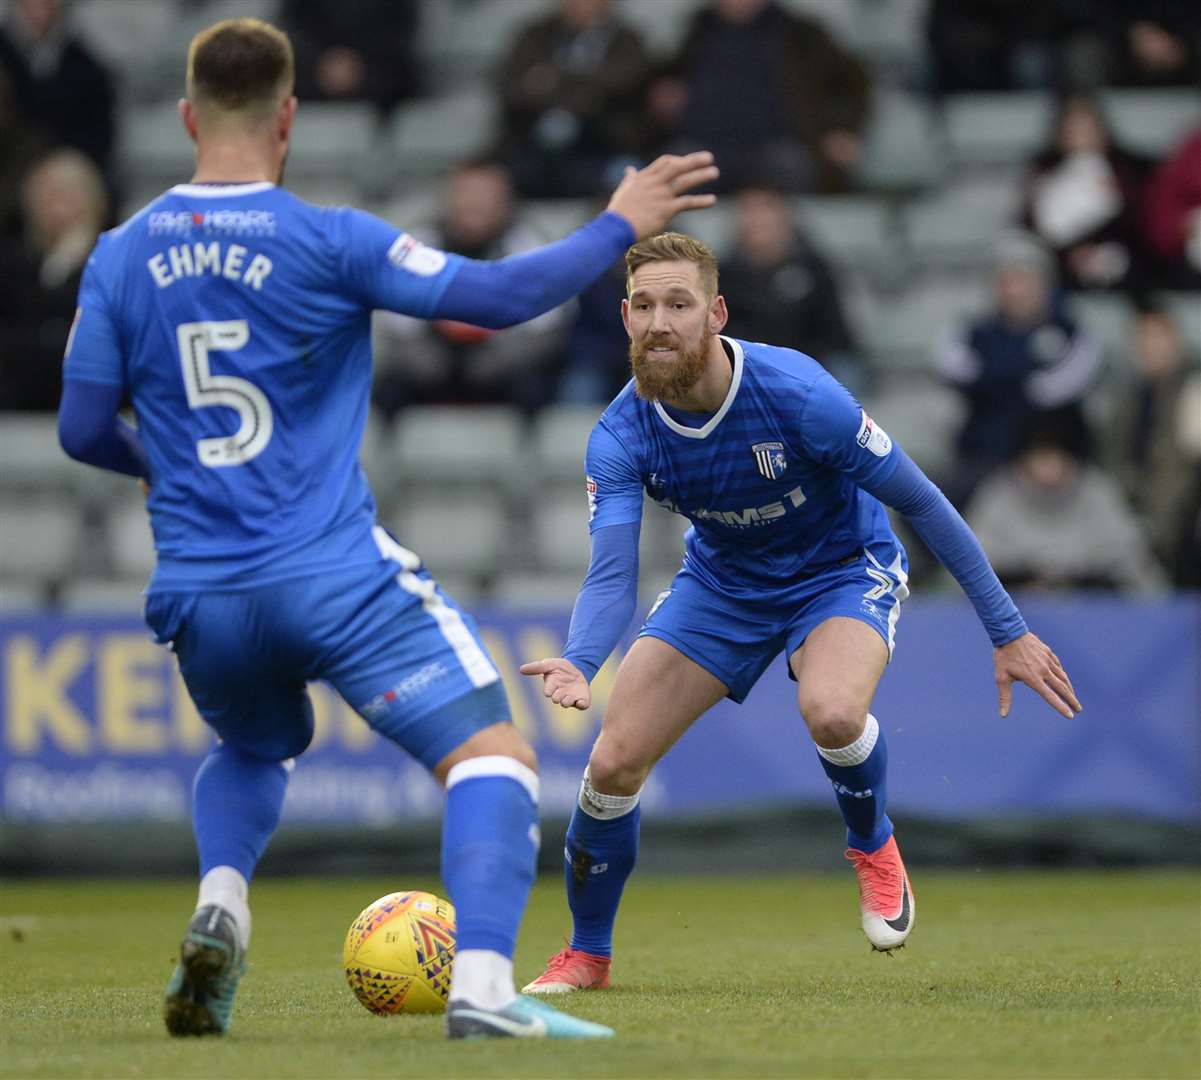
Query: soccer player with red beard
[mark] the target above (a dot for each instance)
(785, 480)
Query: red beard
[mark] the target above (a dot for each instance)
(658, 380)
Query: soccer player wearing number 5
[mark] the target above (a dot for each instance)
(784, 479)
(237, 319)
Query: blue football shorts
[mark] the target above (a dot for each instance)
(736, 639)
(395, 646)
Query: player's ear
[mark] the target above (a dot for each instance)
(718, 315)
(625, 314)
(187, 114)
(287, 116)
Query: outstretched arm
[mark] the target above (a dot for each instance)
(601, 614)
(391, 270)
(838, 432)
(1019, 656)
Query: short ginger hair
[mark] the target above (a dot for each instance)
(673, 247)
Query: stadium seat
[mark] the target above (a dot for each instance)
(1186, 307)
(560, 438)
(555, 218)
(20, 595)
(1151, 122)
(125, 595)
(449, 445)
(430, 136)
(523, 590)
(852, 230)
(333, 139)
(560, 530)
(130, 543)
(921, 415)
(464, 535)
(154, 148)
(960, 224)
(987, 129)
(31, 455)
(903, 148)
(39, 540)
(1109, 319)
(901, 331)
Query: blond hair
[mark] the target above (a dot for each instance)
(240, 66)
(673, 247)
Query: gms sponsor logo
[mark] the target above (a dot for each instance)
(409, 687)
(211, 222)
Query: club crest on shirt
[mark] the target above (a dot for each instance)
(769, 457)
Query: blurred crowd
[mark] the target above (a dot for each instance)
(1062, 492)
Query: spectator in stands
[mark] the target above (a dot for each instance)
(451, 362)
(1025, 357)
(571, 92)
(1159, 428)
(992, 45)
(1173, 217)
(770, 92)
(20, 146)
(1082, 198)
(1051, 520)
(363, 50)
(1150, 42)
(1186, 562)
(64, 208)
(59, 87)
(781, 289)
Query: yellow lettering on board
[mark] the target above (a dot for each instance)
(519, 707)
(320, 696)
(37, 694)
(191, 732)
(131, 693)
(355, 732)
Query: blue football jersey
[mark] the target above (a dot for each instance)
(770, 482)
(237, 318)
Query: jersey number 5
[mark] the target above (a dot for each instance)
(205, 389)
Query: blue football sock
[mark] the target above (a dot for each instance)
(236, 803)
(490, 849)
(599, 857)
(859, 773)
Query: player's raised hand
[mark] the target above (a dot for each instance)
(562, 682)
(1030, 661)
(649, 198)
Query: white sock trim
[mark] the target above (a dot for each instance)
(227, 888)
(597, 804)
(484, 978)
(494, 765)
(859, 751)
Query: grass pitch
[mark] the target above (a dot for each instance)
(1013, 975)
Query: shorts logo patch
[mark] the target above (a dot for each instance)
(591, 488)
(409, 687)
(873, 438)
(770, 459)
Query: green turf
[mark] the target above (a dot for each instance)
(1050, 975)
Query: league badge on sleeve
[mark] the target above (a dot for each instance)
(873, 438)
(769, 456)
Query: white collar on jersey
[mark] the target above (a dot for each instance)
(715, 419)
(214, 191)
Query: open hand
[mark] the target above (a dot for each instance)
(562, 682)
(1029, 660)
(649, 198)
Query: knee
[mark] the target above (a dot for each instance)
(615, 770)
(833, 723)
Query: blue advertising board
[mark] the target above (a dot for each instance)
(96, 725)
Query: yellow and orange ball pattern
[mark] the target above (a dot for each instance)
(399, 952)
